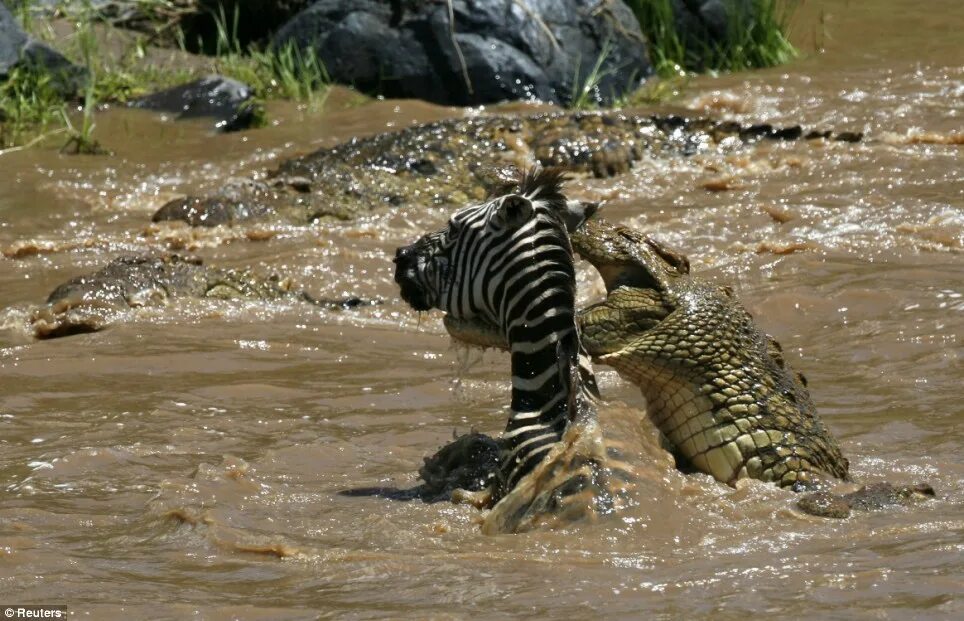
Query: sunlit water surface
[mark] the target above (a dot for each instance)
(188, 462)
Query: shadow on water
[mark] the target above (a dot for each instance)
(420, 492)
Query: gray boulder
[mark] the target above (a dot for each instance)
(12, 40)
(17, 48)
(495, 50)
(226, 101)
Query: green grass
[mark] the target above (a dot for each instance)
(80, 138)
(284, 73)
(657, 90)
(277, 73)
(756, 40)
(30, 105)
(32, 110)
(584, 95)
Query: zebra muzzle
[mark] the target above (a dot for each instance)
(407, 277)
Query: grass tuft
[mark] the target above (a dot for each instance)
(32, 108)
(585, 92)
(285, 72)
(656, 90)
(29, 105)
(756, 37)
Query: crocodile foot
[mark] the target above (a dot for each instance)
(868, 498)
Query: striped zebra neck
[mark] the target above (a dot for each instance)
(546, 386)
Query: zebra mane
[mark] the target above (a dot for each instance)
(543, 184)
(536, 184)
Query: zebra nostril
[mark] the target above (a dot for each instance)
(402, 253)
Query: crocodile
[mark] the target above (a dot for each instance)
(718, 388)
(457, 161)
(91, 302)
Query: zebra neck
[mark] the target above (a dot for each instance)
(545, 391)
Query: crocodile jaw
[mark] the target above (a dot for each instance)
(475, 333)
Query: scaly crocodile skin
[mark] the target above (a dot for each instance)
(716, 385)
(455, 161)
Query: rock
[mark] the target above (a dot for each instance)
(225, 100)
(704, 20)
(19, 49)
(12, 40)
(503, 49)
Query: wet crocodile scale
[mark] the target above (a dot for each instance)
(458, 161)
(718, 387)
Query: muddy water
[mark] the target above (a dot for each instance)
(188, 462)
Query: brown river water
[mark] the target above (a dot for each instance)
(187, 463)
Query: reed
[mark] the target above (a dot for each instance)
(285, 72)
(585, 91)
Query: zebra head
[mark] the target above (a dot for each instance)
(508, 264)
(514, 238)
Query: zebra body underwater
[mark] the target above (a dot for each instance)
(508, 262)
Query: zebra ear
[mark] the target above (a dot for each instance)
(577, 212)
(514, 210)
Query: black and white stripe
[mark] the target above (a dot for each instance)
(508, 262)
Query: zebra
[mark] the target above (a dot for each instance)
(508, 262)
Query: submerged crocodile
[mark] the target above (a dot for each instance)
(716, 386)
(92, 302)
(456, 161)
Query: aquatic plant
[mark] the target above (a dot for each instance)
(656, 90)
(80, 139)
(756, 37)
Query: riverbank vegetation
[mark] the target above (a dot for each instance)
(119, 65)
(755, 35)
